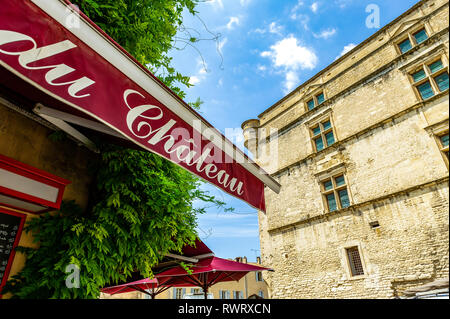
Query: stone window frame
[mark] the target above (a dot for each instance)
(444, 149)
(336, 171)
(429, 77)
(224, 294)
(313, 97)
(409, 35)
(259, 276)
(346, 263)
(178, 293)
(238, 294)
(334, 191)
(438, 130)
(196, 291)
(326, 116)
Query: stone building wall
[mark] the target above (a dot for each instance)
(395, 172)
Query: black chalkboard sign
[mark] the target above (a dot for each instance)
(11, 224)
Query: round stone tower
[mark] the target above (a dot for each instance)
(250, 129)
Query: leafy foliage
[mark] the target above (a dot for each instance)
(145, 28)
(141, 205)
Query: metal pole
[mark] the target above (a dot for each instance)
(205, 288)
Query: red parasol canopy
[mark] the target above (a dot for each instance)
(147, 286)
(198, 249)
(152, 287)
(207, 272)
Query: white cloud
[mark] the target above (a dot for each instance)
(218, 4)
(315, 7)
(274, 28)
(302, 18)
(194, 80)
(262, 68)
(233, 21)
(299, 4)
(245, 2)
(234, 232)
(347, 49)
(258, 30)
(221, 44)
(290, 56)
(342, 3)
(201, 73)
(292, 80)
(325, 34)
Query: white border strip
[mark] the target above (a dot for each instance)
(90, 36)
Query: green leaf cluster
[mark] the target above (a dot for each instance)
(145, 28)
(142, 208)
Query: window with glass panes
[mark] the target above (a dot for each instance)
(412, 40)
(238, 295)
(224, 294)
(178, 293)
(315, 101)
(335, 193)
(196, 291)
(430, 79)
(258, 275)
(322, 135)
(420, 36)
(443, 141)
(405, 46)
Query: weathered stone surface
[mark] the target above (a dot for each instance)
(395, 171)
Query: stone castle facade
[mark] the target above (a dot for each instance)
(361, 152)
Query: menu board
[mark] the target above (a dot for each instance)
(11, 224)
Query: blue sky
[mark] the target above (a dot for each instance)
(259, 51)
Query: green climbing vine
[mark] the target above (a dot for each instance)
(141, 205)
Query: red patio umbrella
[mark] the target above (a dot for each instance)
(152, 287)
(207, 272)
(147, 286)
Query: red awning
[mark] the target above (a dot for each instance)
(85, 78)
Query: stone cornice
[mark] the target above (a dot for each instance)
(354, 207)
(340, 144)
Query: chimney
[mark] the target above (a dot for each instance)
(258, 260)
(244, 260)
